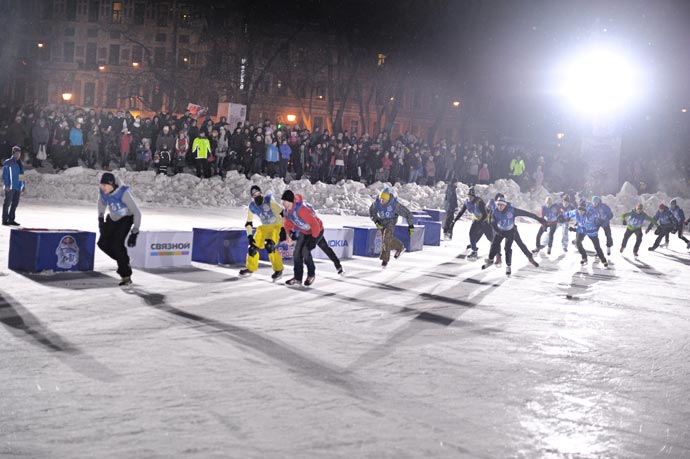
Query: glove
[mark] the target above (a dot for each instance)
(378, 224)
(283, 235)
(293, 235)
(647, 230)
(573, 229)
(310, 243)
(410, 229)
(250, 239)
(623, 221)
(101, 224)
(132, 240)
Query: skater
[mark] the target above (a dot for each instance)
(680, 217)
(305, 228)
(480, 221)
(587, 223)
(384, 211)
(563, 221)
(13, 181)
(451, 205)
(550, 213)
(665, 222)
(503, 216)
(267, 233)
(634, 221)
(605, 215)
(123, 215)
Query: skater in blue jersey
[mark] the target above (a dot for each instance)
(268, 211)
(503, 216)
(680, 217)
(587, 223)
(666, 223)
(549, 212)
(480, 220)
(123, 215)
(605, 215)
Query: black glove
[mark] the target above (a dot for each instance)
(283, 235)
(293, 235)
(378, 224)
(573, 229)
(101, 224)
(310, 243)
(250, 239)
(132, 240)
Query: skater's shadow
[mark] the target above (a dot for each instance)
(684, 261)
(297, 361)
(71, 280)
(17, 318)
(644, 267)
(190, 274)
(583, 280)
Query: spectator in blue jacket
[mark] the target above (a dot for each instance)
(587, 223)
(76, 142)
(285, 152)
(13, 180)
(605, 215)
(272, 158)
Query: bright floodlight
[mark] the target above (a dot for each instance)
(599, 82)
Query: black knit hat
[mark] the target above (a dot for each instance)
(253, 189)
(108, 178)
(288, 196)
(471, 192)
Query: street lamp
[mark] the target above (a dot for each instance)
(456, 103)
(684, 110)
(101, 68)
(291, 118)
(66, 96)
(40, 45)
(135, 64)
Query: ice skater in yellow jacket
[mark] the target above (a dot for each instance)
(267, 234)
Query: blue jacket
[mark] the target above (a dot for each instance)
(76, 137)
(285, 151)
(551, 213)
(505, 221)
(13, 174)
(587, 224)
(679, 214)
(665, 218)
(272, 153)
(605, 214)
(635, 220)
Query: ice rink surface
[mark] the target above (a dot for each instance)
(432, 357)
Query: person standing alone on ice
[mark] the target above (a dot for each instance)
(123, 215)
(267, 234)
(306, 229)
(384, 211)
(13, 180)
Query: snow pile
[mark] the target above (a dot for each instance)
(78, 184)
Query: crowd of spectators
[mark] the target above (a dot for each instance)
(66, 136)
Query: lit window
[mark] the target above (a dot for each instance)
(381, 60)
(117, 12)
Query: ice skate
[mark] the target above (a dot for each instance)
(384, 264)
(125, 281)
(533, 262)
(622, 249)
(245, 272)
(341, 271)
(487, 262)
(608, 250)
(498, 261)
(473, 255)
(548, 251)
(508, 270)
(309, 280)
(293, 281)
(277, 275)
(583, 262)
(398, 253)
(538, 249)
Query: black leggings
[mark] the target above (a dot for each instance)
(112, 242)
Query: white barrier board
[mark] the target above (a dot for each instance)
(162, 249)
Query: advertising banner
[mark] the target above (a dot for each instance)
(162, 249)
(35, 250)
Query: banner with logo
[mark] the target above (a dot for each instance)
(340, 240)
(197, 111)
(162, 249)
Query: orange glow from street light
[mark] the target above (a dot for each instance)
(684, 110)
(135, 64)
(456, 103)
(66, 96)
(40, 45)
(291, 118)
(101, 67)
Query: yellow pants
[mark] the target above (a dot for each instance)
(262, 233)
